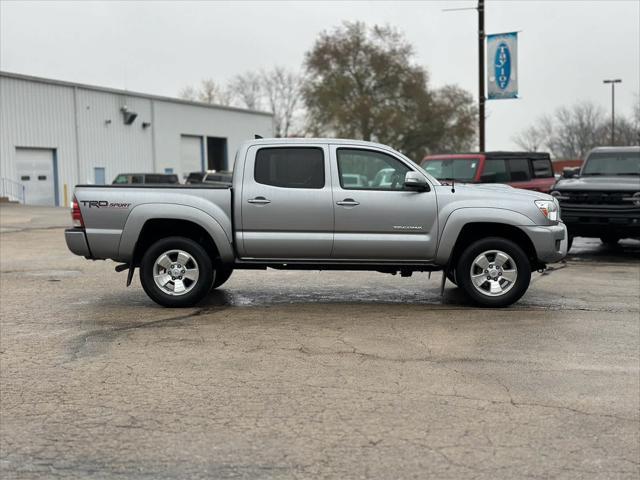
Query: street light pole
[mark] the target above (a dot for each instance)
(613, 107)
(482, 99)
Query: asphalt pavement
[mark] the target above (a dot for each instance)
(285, 374)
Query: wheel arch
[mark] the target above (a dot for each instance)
(464, 226)
(145, 225)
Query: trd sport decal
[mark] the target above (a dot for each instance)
(103, 204)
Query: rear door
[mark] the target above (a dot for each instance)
(378, 219)
(287, 208)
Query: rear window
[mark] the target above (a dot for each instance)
(542, 168)
(495, 171)
(519, 168)
(290, 167)
(160, 179)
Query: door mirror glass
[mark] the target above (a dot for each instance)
(415, 181)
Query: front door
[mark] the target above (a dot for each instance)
(287, 208)
(376, 217)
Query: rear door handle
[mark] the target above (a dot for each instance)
(259, 200)
(348, 202)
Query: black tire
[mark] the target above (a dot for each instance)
(222, 274)
(512, 294)
(200, 287)
(610, 240)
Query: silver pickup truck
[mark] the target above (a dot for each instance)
(319, 204)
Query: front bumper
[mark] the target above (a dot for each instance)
(550, 242)
(77, 242)
(594, 222)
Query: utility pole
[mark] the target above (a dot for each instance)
(481, 90)
(613, 107)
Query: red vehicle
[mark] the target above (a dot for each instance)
(528, 170)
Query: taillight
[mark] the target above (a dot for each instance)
(76, 214)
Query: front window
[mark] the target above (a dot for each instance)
(613, 163)
(460, 169)
(121, 180)
(370, 170)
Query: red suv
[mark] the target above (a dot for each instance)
(529, 170)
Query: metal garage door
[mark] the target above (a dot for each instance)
(36, 169)
(191, 154)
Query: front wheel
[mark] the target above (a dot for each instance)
(176, 272)
(494, 272)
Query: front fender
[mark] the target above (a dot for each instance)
(466, 215)
(142, 213)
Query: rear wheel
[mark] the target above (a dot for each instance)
(221, 276)
(494, 272)
(176, 272)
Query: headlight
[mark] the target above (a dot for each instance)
(549, 209)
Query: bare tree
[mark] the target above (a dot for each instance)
(208, 92)
(248, 89)
(572, 131)
(283, 93)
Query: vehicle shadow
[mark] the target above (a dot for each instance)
(592, 249)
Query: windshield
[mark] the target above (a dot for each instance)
(613, 163)
(462, 169)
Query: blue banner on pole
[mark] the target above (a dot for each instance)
(502, 65)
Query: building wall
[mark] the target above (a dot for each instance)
(173, 120)
(85, 127)
(104, 139)
(37, 115)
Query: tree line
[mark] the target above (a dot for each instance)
(356, 82)
(571, 131)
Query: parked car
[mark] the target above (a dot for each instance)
(209, 176)
(528, 170)
(289, 207)
(603, 199)
(145, 178)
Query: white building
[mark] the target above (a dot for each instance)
(54, 135)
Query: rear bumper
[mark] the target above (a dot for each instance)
(549, 242)
(77, 242)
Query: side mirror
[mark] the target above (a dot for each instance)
(570, 172)
(415, 181)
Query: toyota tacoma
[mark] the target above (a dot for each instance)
(294, 204)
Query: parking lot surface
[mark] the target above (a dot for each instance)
(313, 374)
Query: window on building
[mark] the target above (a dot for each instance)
(290, 167)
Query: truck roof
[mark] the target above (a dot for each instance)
(301, 140)
(616, 149)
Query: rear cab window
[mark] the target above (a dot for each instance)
(542, 168)
(290, 167)
(519, 169)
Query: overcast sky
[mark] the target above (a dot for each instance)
(566, 47)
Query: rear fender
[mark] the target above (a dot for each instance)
(142, 213)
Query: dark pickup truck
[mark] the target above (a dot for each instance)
(603, 200)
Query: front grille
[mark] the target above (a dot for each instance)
(597, 198)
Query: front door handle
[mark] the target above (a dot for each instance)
(259, 200)
(348, 202)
